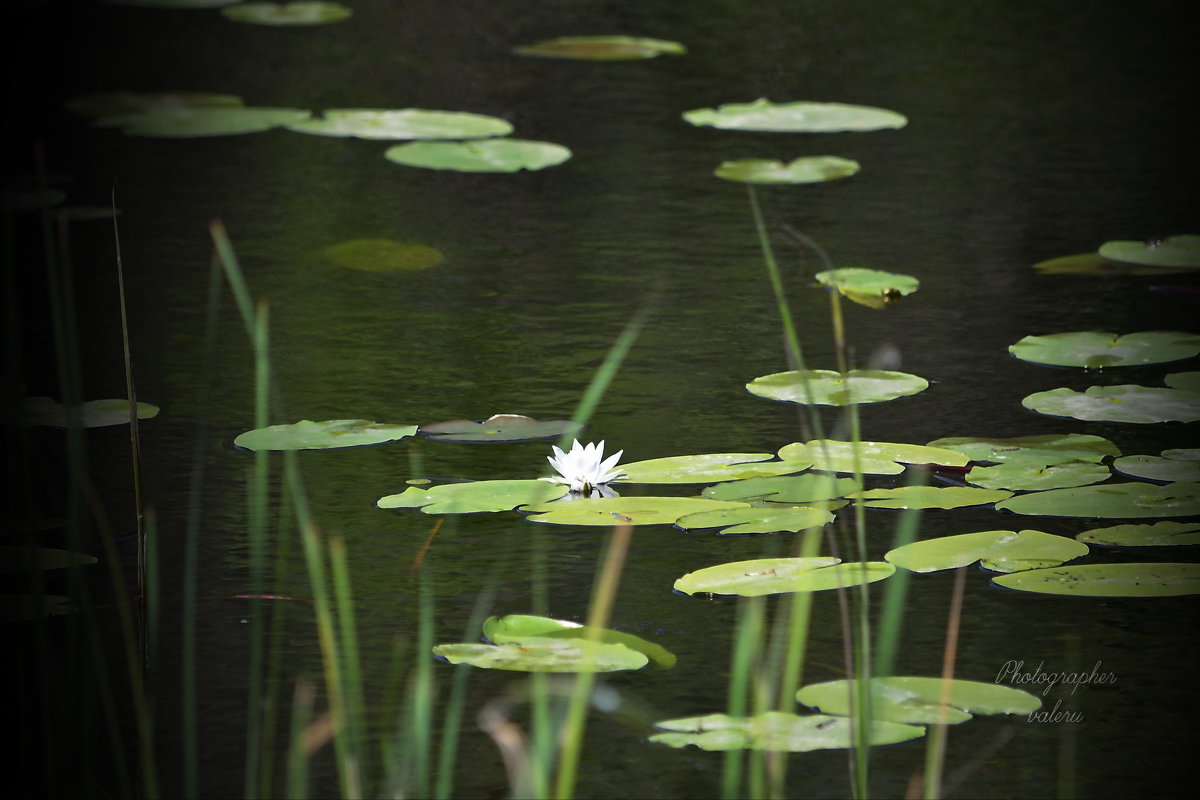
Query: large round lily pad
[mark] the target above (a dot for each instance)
(517, 628)
(203, 121)
(825, 387)
(932, 497)
(1094, 349)
(1023, 476)
(475, 496)
(870, 458)
(300, 12)
(1041, 451)
(809, 488)
(1108, 580)
(601, 48)
(610, 511)
(479, 155)
(918, 700)
(92, 413)
(807, 169)
(762, 576)
(403, 123)
(383, 255)
(757, 519)
(1124, 403)
(1172, 465)
(1157, 534)
(325, 435)
(1184, 380)
(796, 117)
(548, 654)
(496, 428)
(1131, 500)
(999, 551)
(778, 731)
(708, 468)
(869, 287)
(1181, 251)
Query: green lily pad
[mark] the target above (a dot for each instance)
(517, 628)
(1094, 349)
(708, 468)
(110, 104)
(474, 497)
(383, 255)
(999, 551)
(1025, 476)
(808, 488)
(1181, 465)
(601, 48)
(609, 511)
(916, 700)
(778, 575)
(1130, 500)
(757, 519)
(404, 123)
(1181, 251)
(776, 730)
(1093, 264)
(825, 387)
(547, 654)
(1108, 580)
(479, 155)
(869, 287)
(93, 413)
(874, 458)
(27, 559)
(1124, 403)
(807, 169)
(1183, 380)
(932, 497)
(203, 121)
(1158, 534)
(326, 435)
(1043, 451)
(301, 12)
(496, 428)
(797, 117)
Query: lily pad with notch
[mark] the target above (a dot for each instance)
(1171, 466)
(1043, 450)
(825, 387)
(1123, 403)
(869, 287)
(777, 731)
(918, 700)
(764, 576)
(944, 497)
(808, 488)
(403, 123)
(709, 468)
(1157, 534)
(795, 117)
(1184, 380)
(870, 458)
(610, 511)
(1108, 580)
(759, 519)
(479, 155)
(601, 48)
(1180, 252)
(1024, 476)
(998, 551)
(1096, 349)
(496, 428)
(475, 497)
(806, 169)
(517, 628)
(1131, 500)
(325, 435)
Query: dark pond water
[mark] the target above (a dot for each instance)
(1036, 130)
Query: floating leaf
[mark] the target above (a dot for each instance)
(777, 575)
(1124, 403)
(474, 497)
(27, 559)
(601, 48)
(908, 699)
(824, 387)
(203, 121)
(545, 655)
(1181, 465)
(758, 519)
(708, 468)
(785, 488)
(301, 12)
(999, 551)
(873, 458)
(109, 104)
(1095, 349)
(92, 413)
(1158, 534)
(383, 255)
(1093, 264)
(796, 117)
(1181, 251)
(496, 428)
(932, 497)
(609, 511)
(1025, 476)
(1184, 380)
(1131, 500)
(776, 730)
(326, 435)
(518, 628)
(479, 155)
(807, 169)
(869, 287)
(404, 123)
(1045, 450)
(1108, 580)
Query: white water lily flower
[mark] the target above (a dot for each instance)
(584, 467)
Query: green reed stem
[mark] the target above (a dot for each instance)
(456, 704)
(303, 698)
(352, 668)
(935, 752)
(746, 646)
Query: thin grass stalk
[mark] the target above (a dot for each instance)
(351, 665)
(299, 750)
(599, 612)
(935, 752)
(421, 697)
(746, 647)
(891, 620)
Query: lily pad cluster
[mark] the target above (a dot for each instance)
(337, 433)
